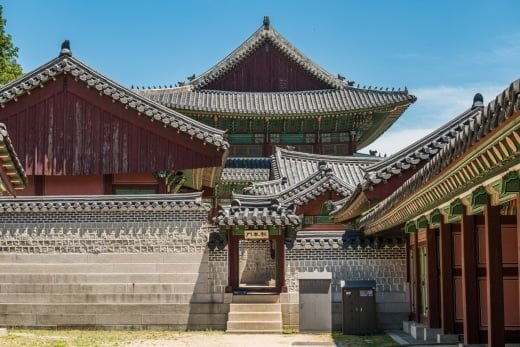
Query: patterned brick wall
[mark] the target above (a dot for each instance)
(387, 266)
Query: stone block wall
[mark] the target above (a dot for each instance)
(387, 266)
(256, 266)
(140, 262)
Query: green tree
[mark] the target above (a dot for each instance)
(9, 68)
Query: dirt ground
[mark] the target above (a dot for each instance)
(238, 340)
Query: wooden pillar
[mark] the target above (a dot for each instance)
(518, 240)
(470, 303)
(433, 288)
(446, 257)
(39, 185)
(107, 184)
(280, 264)
(232, 262)
(495, 286)
(417, 277)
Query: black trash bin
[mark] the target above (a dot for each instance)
(359, 307)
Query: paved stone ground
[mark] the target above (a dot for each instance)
(239, 340)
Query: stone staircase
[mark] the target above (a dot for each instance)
(127, 290)
(255, 313)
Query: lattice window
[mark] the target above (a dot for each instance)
(293, 125)
(241, 125)
(328, 124)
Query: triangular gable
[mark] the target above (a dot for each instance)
(67, 119)
(267, 54)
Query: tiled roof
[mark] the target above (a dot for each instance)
(422, 150)
(247, 169)
(304, 191)
(314, 102)
(492, 116)
(266, 33)
(9, 160)
(290, 168)
(260, 212)
(67, 64)
(155, 202)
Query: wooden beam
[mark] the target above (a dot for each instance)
(232, 262)
(433, 273)
(495, 285)
(446, 292)
(280, 263)
(470, 304)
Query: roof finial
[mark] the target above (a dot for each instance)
(478, 101)
(65, 49)
(267, 22)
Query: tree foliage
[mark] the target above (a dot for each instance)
(9, 68)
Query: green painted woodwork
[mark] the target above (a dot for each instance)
(293, 125)
(258, 125)
(310, 138)
(241, 125)
(511, 183)
(310, 125)
(134, 191)
(225, 124)
(479, 197)
(436, 217)
(422, 223)
(240, 138)
(328, 124)
(291, 138)
(238, 150)
(423, 263)
(456, 210)
(410, 227)
(276, 125)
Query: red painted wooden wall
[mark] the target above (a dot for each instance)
(66, 129)
(267, 69)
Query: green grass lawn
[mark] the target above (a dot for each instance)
(95, 338)
(363, 341)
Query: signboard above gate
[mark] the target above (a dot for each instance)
(256, 234)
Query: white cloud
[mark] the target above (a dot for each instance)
(393, 141)
(434, 107)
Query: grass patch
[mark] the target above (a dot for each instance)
(87, 338)
(382, 340)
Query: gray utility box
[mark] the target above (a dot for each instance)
(315, 301)
(359, 307)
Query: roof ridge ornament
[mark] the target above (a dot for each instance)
(266, 22)
(478, 101)
(65, 49)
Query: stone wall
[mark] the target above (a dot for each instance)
(109, 262)
(387, 266)
(256, 266)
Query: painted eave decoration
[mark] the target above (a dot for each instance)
(12, 174)
(483, 155)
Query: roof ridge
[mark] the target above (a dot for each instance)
(251, 43)
(65, 64)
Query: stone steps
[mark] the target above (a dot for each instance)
(109, 290)
(255, 314)
(104, 298)
(103, 288)
(99, 278)
(114, 308)
(127, 268)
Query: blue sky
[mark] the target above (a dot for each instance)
(444, 51)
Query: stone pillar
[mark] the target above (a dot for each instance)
(495, 286)
(470, 304)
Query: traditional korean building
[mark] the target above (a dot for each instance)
(459, 211)
(111, 229)
(266, 93)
